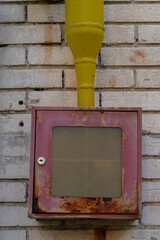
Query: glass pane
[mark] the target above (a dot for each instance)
(86, 162)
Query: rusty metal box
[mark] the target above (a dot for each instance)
(85, 163)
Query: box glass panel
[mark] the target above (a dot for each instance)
(86, 162)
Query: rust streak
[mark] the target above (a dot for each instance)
(39, 118)
(84, 116)
(99, 235)
(99, 205)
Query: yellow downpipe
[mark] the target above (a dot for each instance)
(84, 33)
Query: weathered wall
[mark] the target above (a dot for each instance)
(36, 68)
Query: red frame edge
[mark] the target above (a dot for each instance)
(82, 216)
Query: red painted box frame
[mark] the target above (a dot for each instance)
(44, 206)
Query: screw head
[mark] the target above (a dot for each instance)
(41, 161)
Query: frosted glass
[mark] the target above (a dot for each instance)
(86, 162)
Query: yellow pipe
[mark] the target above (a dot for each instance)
(84, 33)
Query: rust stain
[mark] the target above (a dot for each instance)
(48, 55)
(139, 56)
(99, 235)
(39, 119)
(49, 34)
(112, 81)
(99, 205)
(123, 136)
(84, 116)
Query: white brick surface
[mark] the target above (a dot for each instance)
(148, 78)
(12, 13)
(150, 123)
(141, 56)
(8, 121)
(61, 235)
(132, 13)
(119, 34)
(146, 100)
(53, 98)
(13, 235)
(50, 55)
(14, 168)
(12, 56)
(46, 13)
(14, 145)
(150, 215)
(134, 234)
(12, 192)
(30, 34)
(150, 168)
(18, 216)
(31, 78)
(150, 145)
(149, 34)
(104, 78)
(11, 101)
(151, 191)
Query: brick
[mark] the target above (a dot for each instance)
(12, 192)
(119, 34)
(149, 34)
(60, 235)
(13, 101)
(13, 234)
(151, 191)
(150, 122)
(46, 13)
(150, 145)
(146, 100)
(133, 234)
(150, 168)
(53, 98)
(141, 56)
(148, 78)
(14, 168)
(30, 34)
(8, 121)
(18, 216)
(12, 56)
(12, 13)
(50, 55)
(14, 145)
(132, 13)
(150, 215)
(31, 78)
(104, 78)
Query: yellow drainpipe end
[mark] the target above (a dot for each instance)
(85, 33)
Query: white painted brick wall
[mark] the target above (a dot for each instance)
(14, 167)
(37, 69)
(13, 234)
(12, 192)
(60, 235)
(132, 13)
(12, 13)
(12, 56)
(8, 121)
(107, 78)
(133, 234)
(30, 34)
(31, 78)
(50, 56)
(149, 33)
(148, 78)
(150, 168)
(119, 34)
(14, 101)
(46, 13)
(141, 56)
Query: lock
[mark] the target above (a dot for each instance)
(41, 161)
